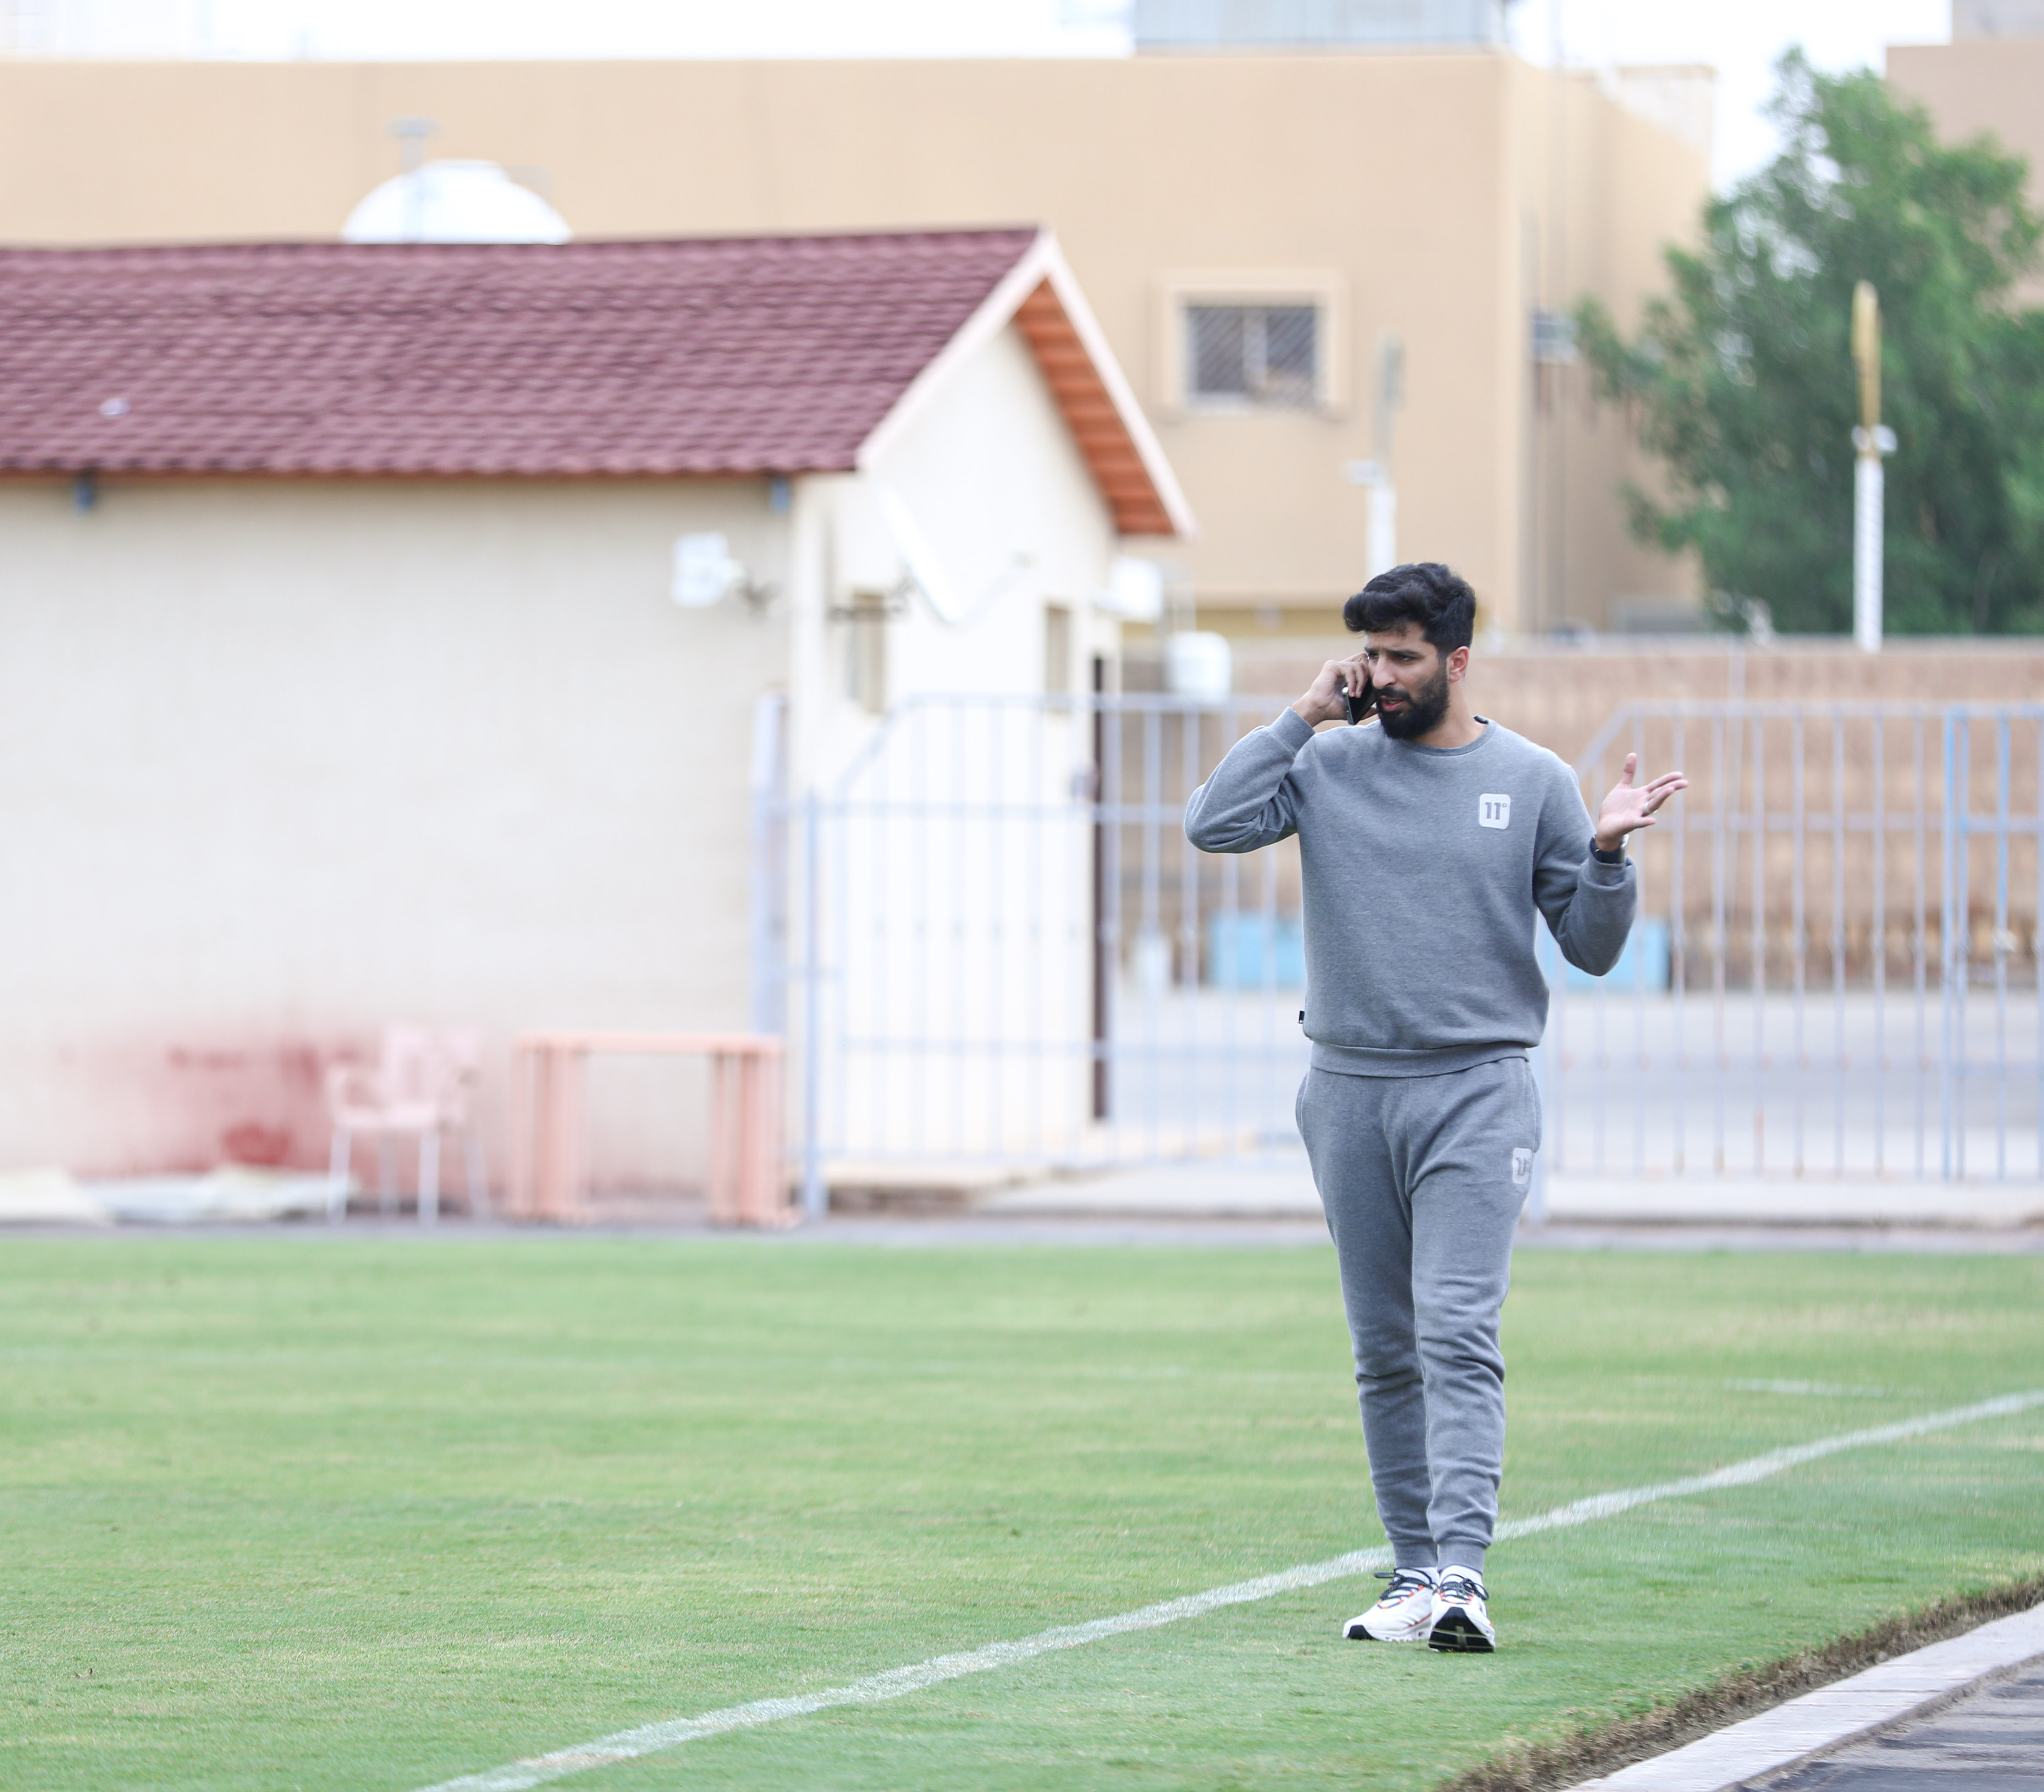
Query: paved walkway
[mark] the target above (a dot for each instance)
(1965, 1715)
(1582, 1214)
(1283, 1187)
(1991, 1740)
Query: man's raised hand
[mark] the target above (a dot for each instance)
(1324, 700)
(1630, 806)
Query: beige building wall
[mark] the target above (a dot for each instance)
(1619, 191)
(283, 761)
(1436, 197)
(1985, 86)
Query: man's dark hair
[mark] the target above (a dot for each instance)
(1425, 592)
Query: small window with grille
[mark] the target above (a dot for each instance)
(1254, 355)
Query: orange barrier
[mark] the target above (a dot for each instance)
(746, 1186)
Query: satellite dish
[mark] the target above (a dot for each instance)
(455, 203)
(919, 557)
(705, 572)
(925, 572)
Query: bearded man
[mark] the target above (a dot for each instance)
(1426, 842)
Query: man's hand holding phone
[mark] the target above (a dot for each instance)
(1341, 693)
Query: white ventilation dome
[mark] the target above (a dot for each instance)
(455, 203)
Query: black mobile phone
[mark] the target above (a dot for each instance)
(1360, 709)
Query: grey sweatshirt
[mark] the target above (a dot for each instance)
(1421, 869)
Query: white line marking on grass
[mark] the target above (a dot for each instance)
(1828, 1389)
(897, 1682)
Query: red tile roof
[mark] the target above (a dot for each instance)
(774, 354)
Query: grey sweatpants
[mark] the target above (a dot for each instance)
(1422, 1178)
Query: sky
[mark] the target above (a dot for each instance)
(1740, 38)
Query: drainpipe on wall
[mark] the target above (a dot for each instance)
(809, 602)
(770, 865)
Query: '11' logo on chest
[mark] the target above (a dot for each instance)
(1493, 812)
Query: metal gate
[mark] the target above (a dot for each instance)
(991, 943)
(1834, 971)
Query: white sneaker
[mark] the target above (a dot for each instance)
(1460, 1622)
(1405, 1614)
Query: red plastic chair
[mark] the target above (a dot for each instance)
(423, 1087)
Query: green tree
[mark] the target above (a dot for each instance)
(1743, 379)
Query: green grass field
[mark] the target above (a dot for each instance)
(307, 1513)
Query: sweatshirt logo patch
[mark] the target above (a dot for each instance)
(1493, 812)
(1522, 1168)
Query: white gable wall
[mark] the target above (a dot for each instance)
(947, 929)
(990, 470)
(996, 486)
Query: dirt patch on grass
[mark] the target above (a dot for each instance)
(1605, 1749)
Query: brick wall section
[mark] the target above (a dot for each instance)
(1562, 697)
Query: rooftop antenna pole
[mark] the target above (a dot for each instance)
(411, 133)
(1374, 474)
(1390, 394)
(1869, 480)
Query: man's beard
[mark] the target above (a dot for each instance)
(1423, 709)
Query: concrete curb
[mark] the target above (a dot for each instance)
(1911, 1686)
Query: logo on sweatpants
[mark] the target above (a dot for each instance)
(1493, 812)
(1522, 1168)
